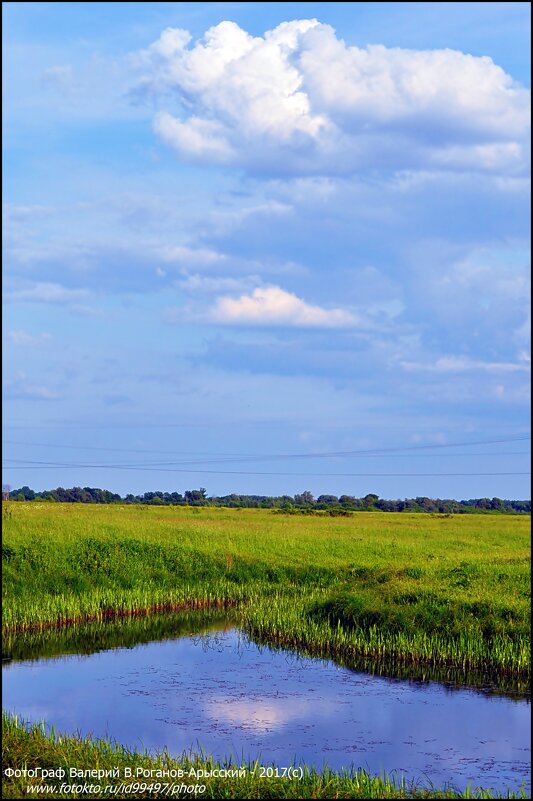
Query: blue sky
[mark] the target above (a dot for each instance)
(243, 241)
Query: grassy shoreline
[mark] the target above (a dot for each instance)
(110, 614)
(119, 632)
(405, 592)
(403, 588)
(32, 746)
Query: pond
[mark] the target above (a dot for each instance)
(218, 692)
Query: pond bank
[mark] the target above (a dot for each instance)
(38, 748)
(206, 686)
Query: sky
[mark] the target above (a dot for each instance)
(265, 248)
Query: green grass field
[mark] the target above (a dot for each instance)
(404, 587)
(402, 593)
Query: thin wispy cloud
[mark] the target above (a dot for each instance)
(459, 364)
(24, 338)
(21, 387)
(44, 292)
(212, 285)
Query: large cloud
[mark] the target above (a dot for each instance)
(300, 100)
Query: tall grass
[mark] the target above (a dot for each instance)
(34, 746)
(407, 589)
(290, 623)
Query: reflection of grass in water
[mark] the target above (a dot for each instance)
(32, 747)
(485, 681)
(403, 588)
(88, 638)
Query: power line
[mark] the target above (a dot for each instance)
(262, 457)
(175, 462)
(52, 466)
(418, 447)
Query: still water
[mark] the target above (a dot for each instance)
(225, 695)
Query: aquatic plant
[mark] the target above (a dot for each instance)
(399, 588)
(35, 746)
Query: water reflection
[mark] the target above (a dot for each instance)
(89, 638)
(217, 691)
(126, 632)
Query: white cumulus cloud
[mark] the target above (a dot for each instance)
(300, 100)
(274, 306)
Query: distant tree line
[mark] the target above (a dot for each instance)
(302, 502)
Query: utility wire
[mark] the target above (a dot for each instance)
(176, 463)
(261, 457)
(51, 466)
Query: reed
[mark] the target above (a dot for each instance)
(291, 623)
(403, 588)
(35, 746)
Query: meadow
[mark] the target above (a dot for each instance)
(406, 594)
(404, 587)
